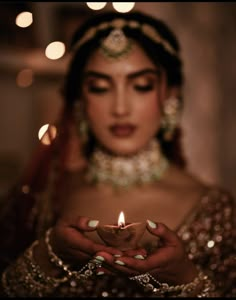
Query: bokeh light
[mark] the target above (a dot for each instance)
(24, 19)
(47, 134)
(96, 5)
(123, 7)
(24, 78)
(55, 50)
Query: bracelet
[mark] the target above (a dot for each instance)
(54, 259)
(84, 273)
(25, 278)
(183, 290)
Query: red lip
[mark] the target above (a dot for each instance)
(123, 130)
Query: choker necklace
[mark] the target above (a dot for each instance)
(144, 167)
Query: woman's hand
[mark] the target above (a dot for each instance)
(169, 263)
(69, 242)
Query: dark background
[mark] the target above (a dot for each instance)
(207, 33)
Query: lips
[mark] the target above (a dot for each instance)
(123, 130)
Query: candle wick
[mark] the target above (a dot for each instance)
(122, 225)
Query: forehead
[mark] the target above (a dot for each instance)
(135, 60)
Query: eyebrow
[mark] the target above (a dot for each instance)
(130, 76)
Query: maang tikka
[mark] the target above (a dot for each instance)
(116, 44)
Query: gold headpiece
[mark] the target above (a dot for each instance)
(118, 24)
(116, 44)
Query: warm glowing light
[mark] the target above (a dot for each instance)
(210, 244)
(24, 78)
(25, 189)
(96, 5)
(123, 7)
(121, 219)
(24, 19)
(55, 50)
(47, 133)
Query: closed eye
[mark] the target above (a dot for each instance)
(97, 90)
(144, 88)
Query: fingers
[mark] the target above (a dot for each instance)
(121, 263)
(79, 222)
(77, 255)
(70, 241)
(140, 253)
(78, 241)
(103, 271)
(163, 232)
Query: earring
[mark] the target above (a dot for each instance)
(170, 118)
(82, 124)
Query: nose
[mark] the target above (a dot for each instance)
(121, 105)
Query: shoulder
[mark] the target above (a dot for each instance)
(181, 180)
(189, 184)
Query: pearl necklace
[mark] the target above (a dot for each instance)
(146, 166)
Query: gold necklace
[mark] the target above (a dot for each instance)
(144, 167)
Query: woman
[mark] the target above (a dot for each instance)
(118, 150)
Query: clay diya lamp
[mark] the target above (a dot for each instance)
(122, 236)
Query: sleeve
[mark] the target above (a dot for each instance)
(211, 242)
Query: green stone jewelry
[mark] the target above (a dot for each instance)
(146, 166)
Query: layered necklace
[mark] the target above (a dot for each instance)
(146, 166)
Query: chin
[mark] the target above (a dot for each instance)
(125, 148)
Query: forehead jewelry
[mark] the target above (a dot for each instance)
(119, 24)
(116, 44)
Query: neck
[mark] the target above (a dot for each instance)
(146, 166)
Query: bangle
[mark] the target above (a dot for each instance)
(25, 277)
(183, 290)
(84, 273)
(54, 259)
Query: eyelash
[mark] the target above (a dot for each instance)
(139, 88)
(97, 90)
(144, 88)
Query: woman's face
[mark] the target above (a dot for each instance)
(123, 99)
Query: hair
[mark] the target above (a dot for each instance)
(171, 63)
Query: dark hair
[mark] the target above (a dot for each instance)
(156, 52)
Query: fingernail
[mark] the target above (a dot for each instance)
(152, 224)
(139, 256)
(117, 255)
(100, 273)
(100, 258)
(119, 262)
(93, 223)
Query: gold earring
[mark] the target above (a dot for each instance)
(82, 124)
(170, 117)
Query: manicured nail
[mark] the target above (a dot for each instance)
(100, 258)
(152, 224)
(100, 273)
(119, 262)
(139, 256)
(117, 255)
(93, 223)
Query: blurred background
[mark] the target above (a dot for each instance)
(31, 78)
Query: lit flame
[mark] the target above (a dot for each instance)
(121, 219)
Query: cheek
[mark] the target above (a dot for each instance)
(150, 112)
(96, 113)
